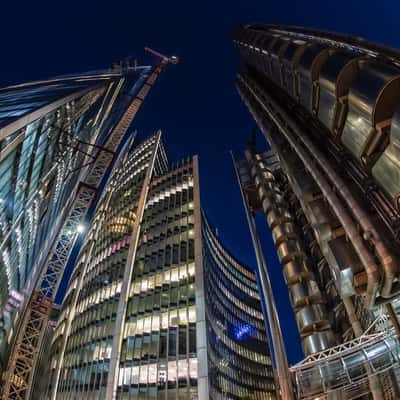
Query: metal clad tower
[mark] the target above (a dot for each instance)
(328, 106)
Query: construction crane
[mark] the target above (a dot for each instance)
(19, 376)
(171, 59)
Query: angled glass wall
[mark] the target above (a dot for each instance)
(49, 131)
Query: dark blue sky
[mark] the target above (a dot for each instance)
(195, 102)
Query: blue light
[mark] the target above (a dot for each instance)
(242, 331)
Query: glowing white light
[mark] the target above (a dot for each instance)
(80, 228)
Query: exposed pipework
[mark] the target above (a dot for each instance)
(385, 256)
(275, 335)
(370, 234)
(305, 294)
(371, 268)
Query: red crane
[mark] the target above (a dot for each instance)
(171, 59)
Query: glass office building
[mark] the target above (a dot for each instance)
(50, 132)
(239, 361)
(156, 307)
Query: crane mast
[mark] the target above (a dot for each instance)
(19, 376)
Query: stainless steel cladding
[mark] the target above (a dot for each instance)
(305, 294)
(387, 169)
(354, 92)
(373, 98)
(278, 48)
(335, 79)
(309, 67)
(290, 60)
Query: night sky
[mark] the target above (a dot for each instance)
(195, 102)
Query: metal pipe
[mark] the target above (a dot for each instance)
(371, 268)
(305, 295)
(355, 323)
(385, 256)
(393, 318)
(280, 357)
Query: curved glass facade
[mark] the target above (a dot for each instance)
(239, 362)
(151, 289)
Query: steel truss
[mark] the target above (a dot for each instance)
(344, 370)
(30, 336)
(19, 376)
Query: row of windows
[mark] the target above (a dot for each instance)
(234, 360)
(225, 294)
(159, 373)
(228, 389)
(162, 257)
(151, 393)
(166, 344)
(100, 296)
(236, 347)
(169, 297)
(177, 175)
(231, 265)
(165, 320)
(246, 285)
(254, 380)
(243, 296)
(89, 327)
(216, 296)
(163, 278)
(232, 323)
(169, 191)
(159, 220)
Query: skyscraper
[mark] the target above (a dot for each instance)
(59, 139)
(156, 307)
(328, 106)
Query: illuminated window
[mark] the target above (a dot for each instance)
(191, 269)
(139, 326)
(152, 373)
(143, 374)
(183, 368)
(183, 272)
(155, 323)
(173, 318)
(147, 325)
(183, 316)
(164, 320)
(192, 314)
(175, 275)
(193, 368)
(172, 371)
